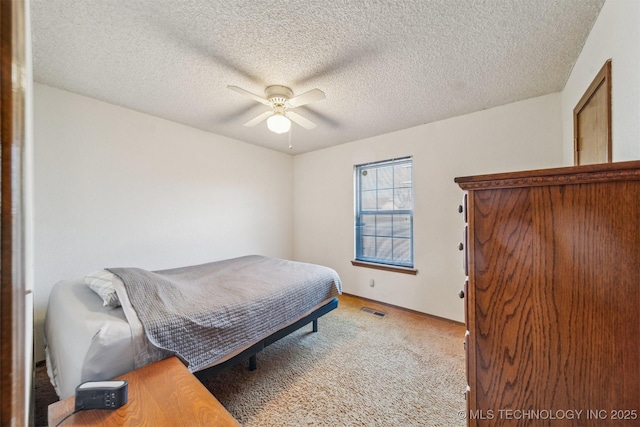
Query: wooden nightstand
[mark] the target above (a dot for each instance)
(164, 393)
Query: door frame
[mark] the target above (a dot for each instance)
(14, 404)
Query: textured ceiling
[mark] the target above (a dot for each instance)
(383, 65)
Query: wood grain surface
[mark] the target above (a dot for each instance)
(554, 301)
(164, 393)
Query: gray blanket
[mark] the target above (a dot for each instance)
(204, 312)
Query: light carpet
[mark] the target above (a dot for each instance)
(404, 369)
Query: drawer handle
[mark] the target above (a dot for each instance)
(461, 294)
(460, 246)
(460, 209)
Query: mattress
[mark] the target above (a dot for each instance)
(86, 341)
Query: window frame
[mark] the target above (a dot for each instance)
(376, 262)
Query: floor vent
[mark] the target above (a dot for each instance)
(372, 311)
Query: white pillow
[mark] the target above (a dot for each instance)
(101, 282)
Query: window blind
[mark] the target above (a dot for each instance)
(384, 212)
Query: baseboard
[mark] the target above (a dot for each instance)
(408, 310)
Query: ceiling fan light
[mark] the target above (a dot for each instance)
(278, 123)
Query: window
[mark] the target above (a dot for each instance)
(384, 212)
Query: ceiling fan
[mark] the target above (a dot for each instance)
(281, 101)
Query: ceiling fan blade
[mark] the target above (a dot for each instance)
(249, 95)
(306, 98)
(258, 119)
(297, 118)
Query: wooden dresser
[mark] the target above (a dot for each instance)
(552, 296)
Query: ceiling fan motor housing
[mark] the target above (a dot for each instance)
(278, 95)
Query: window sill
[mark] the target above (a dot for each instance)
(385, 267)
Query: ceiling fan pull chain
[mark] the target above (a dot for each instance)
(289, 137)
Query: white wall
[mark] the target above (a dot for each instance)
(523, 135)
(114, 187)
(615, 36)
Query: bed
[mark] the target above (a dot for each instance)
(211, 316)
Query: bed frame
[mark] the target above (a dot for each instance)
(251, 352)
